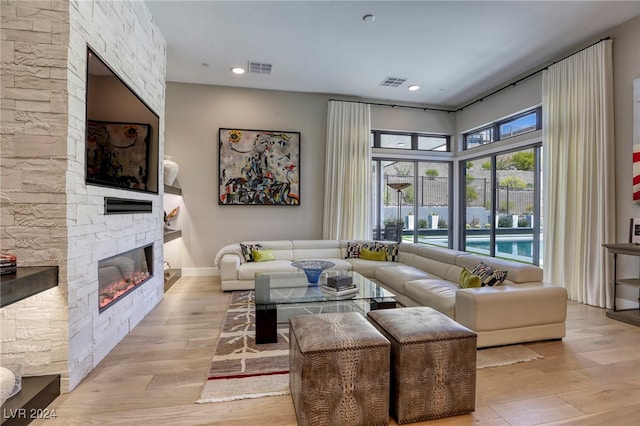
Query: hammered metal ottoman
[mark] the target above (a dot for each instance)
(338, 370)
(433, 363)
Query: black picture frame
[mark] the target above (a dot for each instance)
(258, 167)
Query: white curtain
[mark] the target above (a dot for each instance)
(579, 173)
(347, 188)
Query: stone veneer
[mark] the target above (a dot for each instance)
(49, 216)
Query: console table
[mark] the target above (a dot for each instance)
(631, 316)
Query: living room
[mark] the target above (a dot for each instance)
(190, 117)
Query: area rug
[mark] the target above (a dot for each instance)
(240, 369)
(504, 355)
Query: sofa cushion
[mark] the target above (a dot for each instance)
(394, 277)
(247, 271)
(316, 249)
(435, 293)
(367, 268)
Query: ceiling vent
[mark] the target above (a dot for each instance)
(260, 68)
(393, 82)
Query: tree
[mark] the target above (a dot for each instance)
(523, 160)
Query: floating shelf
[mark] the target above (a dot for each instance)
(31, 402)
(26, 282)
(170, 235)
(171, 278)
(172, 190)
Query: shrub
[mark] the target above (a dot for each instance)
(431, 173)
(513, 182)
(523, 160)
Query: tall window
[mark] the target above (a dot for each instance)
(501, 207)
(411, 201)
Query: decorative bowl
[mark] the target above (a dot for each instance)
(313, 268)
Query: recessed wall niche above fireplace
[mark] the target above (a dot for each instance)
(122, 133)
(119, 275)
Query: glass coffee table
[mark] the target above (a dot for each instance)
(281, 295)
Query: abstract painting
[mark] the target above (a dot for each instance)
(259, 167)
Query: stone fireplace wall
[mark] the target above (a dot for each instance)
(49, 215)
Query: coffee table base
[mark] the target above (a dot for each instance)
(266, 323)
(267, 318)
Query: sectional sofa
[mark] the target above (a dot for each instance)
(521, 309)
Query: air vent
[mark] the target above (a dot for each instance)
(393, 82)
(260, 68)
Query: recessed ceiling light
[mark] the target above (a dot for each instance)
(237, 70)
(368, 18)
(414, 87)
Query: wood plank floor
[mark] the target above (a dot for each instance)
(154, 376)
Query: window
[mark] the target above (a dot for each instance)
(409, 141)
(412, 206)
(504, 129)
(501, 205)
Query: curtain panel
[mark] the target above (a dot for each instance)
(579, 174)
(347, 185)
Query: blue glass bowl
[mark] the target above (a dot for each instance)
(313, 268)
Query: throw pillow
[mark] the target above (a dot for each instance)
(247, 250)
(468, 280)
(372, 255)
(262, 255)
(489, 276)
(392, 252)
(353, 250)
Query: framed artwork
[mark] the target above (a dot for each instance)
(117, 154)
(258, 167)
(634, 231)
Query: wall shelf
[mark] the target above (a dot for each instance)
(172, 234)
(31, 402)
(173, 274)
(26, 282)
(172, 190)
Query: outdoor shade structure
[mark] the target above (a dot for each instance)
(399, 186)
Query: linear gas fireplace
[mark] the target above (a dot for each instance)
(120, 274)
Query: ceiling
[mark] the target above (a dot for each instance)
(454, 50)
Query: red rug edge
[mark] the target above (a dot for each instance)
(243, 376)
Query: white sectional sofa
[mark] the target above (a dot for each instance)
(522, 309)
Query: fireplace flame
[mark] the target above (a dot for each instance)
(118, 288)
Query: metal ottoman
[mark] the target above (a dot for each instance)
(433, 363)
(338, 370)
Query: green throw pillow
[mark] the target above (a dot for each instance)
(373, 255)
(468, 280)
(262, 255)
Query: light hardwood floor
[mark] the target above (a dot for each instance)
(154, 376)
